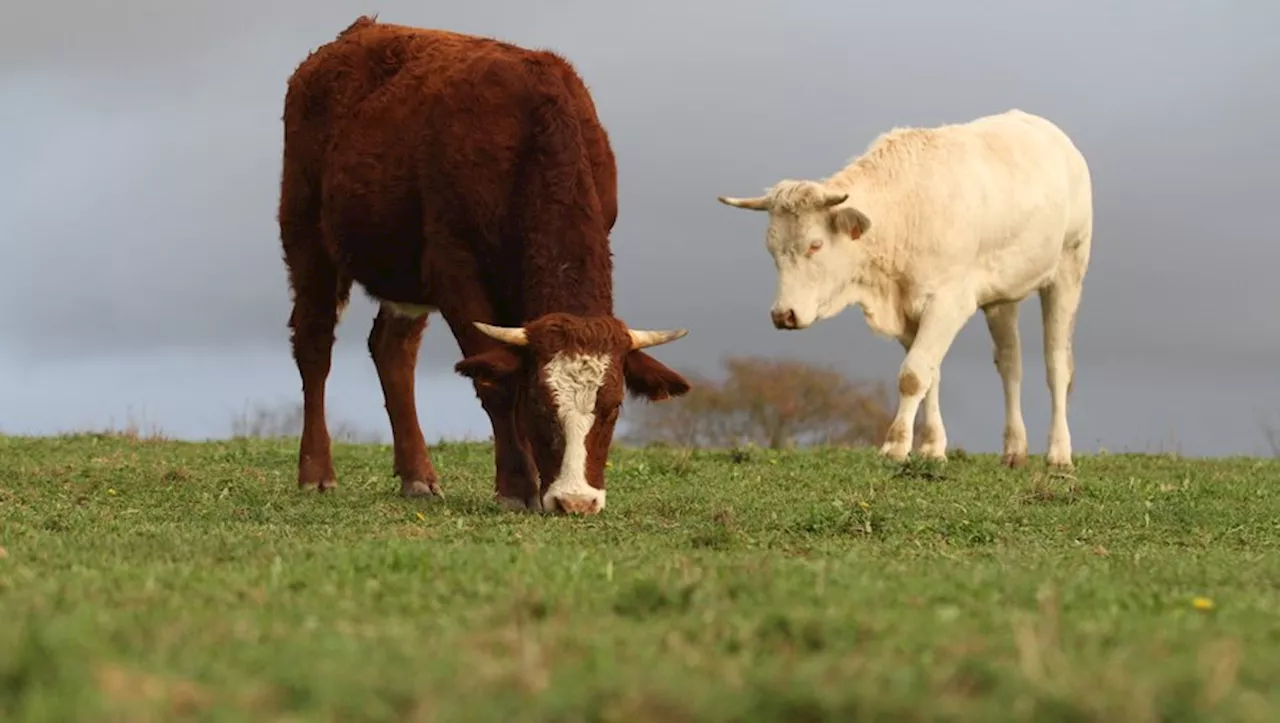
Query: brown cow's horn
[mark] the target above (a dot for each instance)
(515, 335)
(641, 338)
(760, 203)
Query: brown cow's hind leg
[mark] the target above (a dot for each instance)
(393, 344)
(319, 295)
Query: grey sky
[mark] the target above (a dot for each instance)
(139, 256)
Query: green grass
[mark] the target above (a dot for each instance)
(151, 580)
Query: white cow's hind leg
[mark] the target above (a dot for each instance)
(942, 320)
(1002, 322)
(1059, 302)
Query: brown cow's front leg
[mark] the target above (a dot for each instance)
(514, 484)
(393, 344)
(462, 299)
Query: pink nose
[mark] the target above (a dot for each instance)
(576, 505)
(783, 319)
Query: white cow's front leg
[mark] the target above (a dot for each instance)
(1002, 322)
(933, 438)
(942, 320)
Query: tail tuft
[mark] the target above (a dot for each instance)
(362, 22)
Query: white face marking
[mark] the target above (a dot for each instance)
(408, 311)
(575, 381)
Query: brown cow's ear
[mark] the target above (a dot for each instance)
(490, 366)
(648, 377)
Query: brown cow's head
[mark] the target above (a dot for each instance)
(570, 373)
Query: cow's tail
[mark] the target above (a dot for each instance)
(362, 22)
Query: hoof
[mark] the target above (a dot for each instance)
(1014, 460)
(896, 454)
(418, 488)
(321, 486)
(516, 504)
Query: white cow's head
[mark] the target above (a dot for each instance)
(814, 244)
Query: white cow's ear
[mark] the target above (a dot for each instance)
(851, 222)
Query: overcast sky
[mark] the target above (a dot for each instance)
(140, 269)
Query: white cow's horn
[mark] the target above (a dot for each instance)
(834, 198)
(760, 203)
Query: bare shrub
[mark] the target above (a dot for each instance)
(1271, 433)
(285, 421)
(775, 403)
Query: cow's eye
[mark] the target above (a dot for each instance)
(814, 245)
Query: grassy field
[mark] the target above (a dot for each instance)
(146, 580)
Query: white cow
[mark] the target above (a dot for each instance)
(925, 228)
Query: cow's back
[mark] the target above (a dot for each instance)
(323, 110)
(1003, 191)
(397, 129)
(1040, 158)
(328, 86)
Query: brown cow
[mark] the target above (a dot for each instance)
(459, 174)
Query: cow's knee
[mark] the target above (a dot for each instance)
(909, 383)
(914, 378)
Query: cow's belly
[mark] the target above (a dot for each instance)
(1014, 275)
(372, 230)
(385, 259)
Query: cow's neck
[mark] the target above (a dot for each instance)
(873, 287)
(881, 299)
(573, 275)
